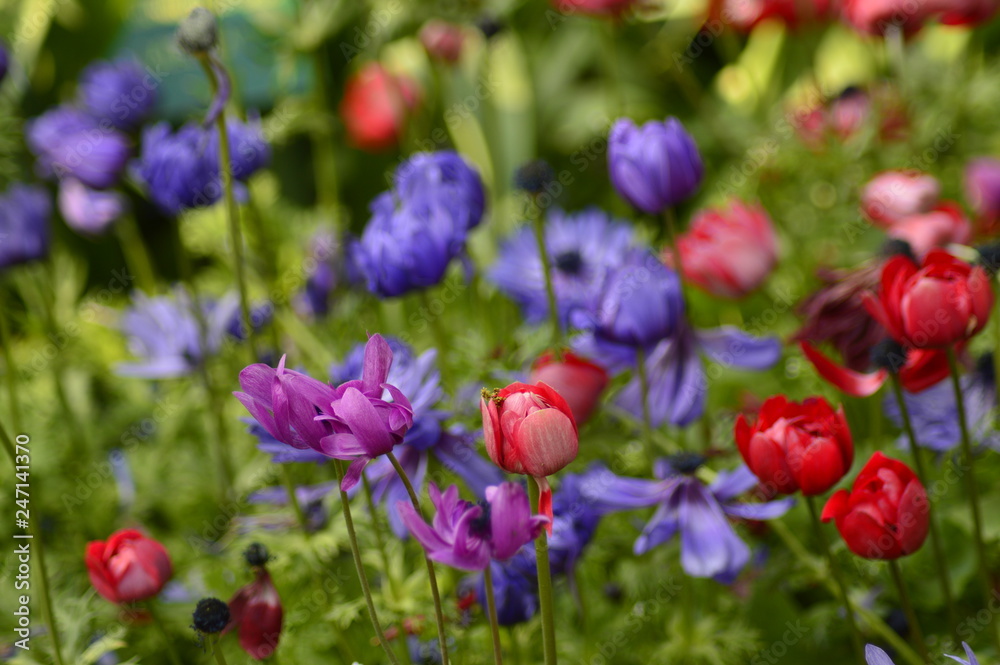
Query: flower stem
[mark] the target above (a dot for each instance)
(168, 644)
(379, 539)
(136, 255)
(220, 437)
(647, 420)
(970, 482)
(670, 224)
(856, 642)
(515, 646)
(362, 577)
(232, 211)
(911, 616)
(438, 612)
(220, 658)
(35, 534)
(544, 586)
(938, 549)
(538, 222)
(491, 606)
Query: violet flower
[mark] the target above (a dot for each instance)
(70, 142)
(122, 92)
(876, 656)
(89, 211)
(515, 587)
(468, 536)
(24, 225)
(699, 513)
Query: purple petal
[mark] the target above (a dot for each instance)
(511, 523)
(730, 484)
(353, 475)
(419, 529)
(358, 413)
(709, 546)
(341, 446)
(759, 511)
(732, 347)
(972, 660)
(378, 359)
(610, 492)
(662, 526)
(461, 458)
(876, 656)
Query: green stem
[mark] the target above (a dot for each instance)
(670, 225)
(35, 535)
(168, 644)
(293, 499)
(544, 586)
(911, 616)
(362, 576)
(515, 647)
(136, 254)
(10, 367)
(438, 611)
(647, 420)
(538, 222)
(232, 212)
(972, 486)
(936, 546)
(491, 606)
(379, 538)
(220, 658)
(873, 621)
(996, 363)
(220, 440)
(856, 641)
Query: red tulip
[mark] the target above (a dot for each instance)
(578, 380)
(442, 40)
(729, 251)
(376, 106)
(963, 12)
(530, 430)
(894, 195)
(256, 611)
(795, 446)
(937, 304)
(885, 514)
(128, 566)
(944, 225)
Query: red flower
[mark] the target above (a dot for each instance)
(612, 8)
(942, 302)
(376, 106)
(794, 446)
(964, 12)
(744, 15)
(578, 380)
(944, 225)
(874, 17)
(530, 430)
(128, 566)
(729, 251)
(256, 610)
(885, 514)
(442, 40)
(894, 195)
(922, 369)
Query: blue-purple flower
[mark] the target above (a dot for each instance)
(24, 224)
(576, 520)
(323, 275)
(443, 174)
(655, 166)
(515, 587)
(310, 498)
(122, 92)
(468, 536)
(876, 656)
(583, 247)
(4, 61)
(249, 151)
(69, 142)
(177, 169)
(699, 513)
(89, 211)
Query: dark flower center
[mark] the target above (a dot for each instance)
(480, 526)
(889, 355)
(989, 257)
(687, 463)
(569, 262)
(895, 246)
(210, 615)
(985, 368)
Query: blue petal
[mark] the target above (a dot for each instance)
(759, 511)
(876, 656)
(732, 347)
(709, 546)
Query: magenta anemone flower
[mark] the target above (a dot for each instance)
(468, 536)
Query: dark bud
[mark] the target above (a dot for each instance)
(989, 257)
(897, 621)
(534, 176)
(896, 247)
(986, 369)
(889, 355)
(489, 25)
(687, 463)
(211, 615)
(199, 32)
(256, 555)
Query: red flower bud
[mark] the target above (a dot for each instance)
(943, 302)
(578, 380)
(442, 40)
(885, 515)
(128, 566)
(794, 446)
(256, 610)
(376, 106)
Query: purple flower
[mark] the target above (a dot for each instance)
(677, 383)
(445, 175)
(515, 587)
(323, 275)
(982, 189)
(89, 211)
(409, 246)
(466, 535)
(249, 151)
(310, 498)
(121, 92)
(655, 166)
(178, 169)
(71, 142)
(281, 453)
(165, 333)
(686, 506)
(576, 520)
(876, 656)
(4, 61)
(24, 224)
(583, 247)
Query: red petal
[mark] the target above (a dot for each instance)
(856, 384)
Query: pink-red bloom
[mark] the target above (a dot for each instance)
(895, 195)
(376, 107)
(256, 612)
(606, 8)
(944, 225)
(729, 251)
(941, 302)
(797, 446)
(128, 566)
(885, 515)
(579, 381)
(442, 40)
(744, 15)
(530, 429)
